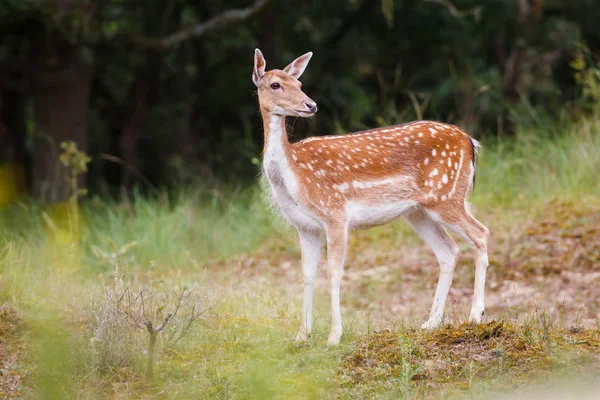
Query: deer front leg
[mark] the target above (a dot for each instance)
(310, 245)
(337, 238)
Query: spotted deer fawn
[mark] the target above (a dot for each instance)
(421, 170)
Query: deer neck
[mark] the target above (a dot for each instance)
(277, 162)
(275, 133)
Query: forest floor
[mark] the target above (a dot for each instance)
(542, 313)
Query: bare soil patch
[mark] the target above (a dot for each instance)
(544, 263)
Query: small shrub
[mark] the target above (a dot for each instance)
(128, 322)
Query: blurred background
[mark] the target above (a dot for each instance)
(159, 92)
(145, 110)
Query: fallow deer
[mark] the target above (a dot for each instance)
(421, 170)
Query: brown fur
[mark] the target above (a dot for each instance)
(324, 163)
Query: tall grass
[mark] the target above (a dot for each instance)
(170, 231)
(540, 165)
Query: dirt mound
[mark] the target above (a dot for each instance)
(455, 354)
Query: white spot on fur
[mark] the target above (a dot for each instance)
(342, 187)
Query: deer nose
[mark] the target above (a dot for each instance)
(312, 107)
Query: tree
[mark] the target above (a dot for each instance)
(52, 48)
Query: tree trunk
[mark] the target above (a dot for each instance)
(12, 123)
(151, 350)
(60, 110)
(137, 111)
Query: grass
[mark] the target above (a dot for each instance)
(539, 166)
(538, 194)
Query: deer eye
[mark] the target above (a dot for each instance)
(275, 86)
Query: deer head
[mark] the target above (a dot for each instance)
(280, 91)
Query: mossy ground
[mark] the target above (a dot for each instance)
(499, 353)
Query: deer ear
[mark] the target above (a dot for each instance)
(259, 67)
(297, 67)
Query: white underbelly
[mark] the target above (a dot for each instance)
(364, 215)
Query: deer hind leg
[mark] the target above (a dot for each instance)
(446, 252)
(337, 239)
(475, 232)
(478, 235)
(310, 245)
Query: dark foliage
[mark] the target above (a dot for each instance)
(161, 90)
